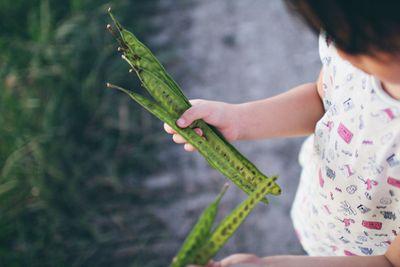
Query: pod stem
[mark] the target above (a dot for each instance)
(222, 193)
(113, 86)
(117, 24)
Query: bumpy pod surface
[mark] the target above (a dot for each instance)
(139, 63)
(197, 141)
(138, 53)
(229, 225)
(167, 93)
(200, 246)
(199, 233)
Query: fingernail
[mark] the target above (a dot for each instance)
(199, 131)
(181, 122)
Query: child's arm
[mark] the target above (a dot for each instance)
(293, 113)
(332, 261)
(390, 259)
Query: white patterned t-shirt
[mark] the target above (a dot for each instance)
(347, 202)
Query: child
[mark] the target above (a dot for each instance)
(347, 202)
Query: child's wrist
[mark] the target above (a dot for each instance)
(236, 113)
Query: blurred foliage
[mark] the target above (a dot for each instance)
(72, 153)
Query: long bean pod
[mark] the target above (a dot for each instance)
(199, 233)
(168, 94)
(229, 225)
(247, 169)
(170, 102)
(197, 141)
(136, 49)
(160, 91)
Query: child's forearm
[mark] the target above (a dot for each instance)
(293, 113)
(342, 261)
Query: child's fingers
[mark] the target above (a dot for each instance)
(189, 148)
(169, 129)
(178, 139)
(197, 111)
(210, 264)
(214, 264)
(237, 259)
(198, 131)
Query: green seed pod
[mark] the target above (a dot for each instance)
(149, 61)
(247, 169)
(189, 134)
(200, 232)
(162, 93)
(144, 63)
(133, 47)
(165, 91)
(228, 226)
(220, 154)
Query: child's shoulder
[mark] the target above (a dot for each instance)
(332, 63)
(327, 50)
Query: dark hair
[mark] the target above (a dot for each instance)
(356, 26)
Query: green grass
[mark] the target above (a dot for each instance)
(72, 153)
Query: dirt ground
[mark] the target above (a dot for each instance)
(236, 51)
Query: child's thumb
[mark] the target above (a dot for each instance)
(192, 114)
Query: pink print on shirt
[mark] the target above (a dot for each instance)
(393, 181)
(372, 225)
(345, 133)
(321, 179)
(349, 253)
(389, 113)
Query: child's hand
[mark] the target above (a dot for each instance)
(237, 260)
(219, 114)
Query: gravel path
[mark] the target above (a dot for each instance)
(236, 51)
